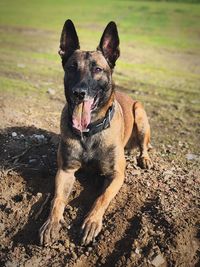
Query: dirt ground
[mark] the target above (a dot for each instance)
(151, 222)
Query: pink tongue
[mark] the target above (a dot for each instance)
(82, 115)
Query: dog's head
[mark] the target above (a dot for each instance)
(88, 74)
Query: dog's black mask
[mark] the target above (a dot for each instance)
(88, 75)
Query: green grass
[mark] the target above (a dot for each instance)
(159, 63)
(161, 23)
(156, 39)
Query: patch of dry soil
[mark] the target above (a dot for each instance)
(151, 222)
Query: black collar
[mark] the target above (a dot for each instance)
(97, 126)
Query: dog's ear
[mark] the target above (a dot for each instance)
(109, 44)
(68, 41)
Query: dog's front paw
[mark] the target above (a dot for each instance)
(91, 228)
(145, 162)
(49, 231)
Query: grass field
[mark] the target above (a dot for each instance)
(159, 65)
(160, 47)
(30, 34)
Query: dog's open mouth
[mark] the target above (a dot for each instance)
(81, 116)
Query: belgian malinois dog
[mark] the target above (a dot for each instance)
(97, 125)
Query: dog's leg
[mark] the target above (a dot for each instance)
(93, 223)
(63, 185)
(143, 135)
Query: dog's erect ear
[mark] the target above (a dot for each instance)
(68, 41)
(109, 44)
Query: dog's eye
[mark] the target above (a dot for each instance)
(98, 70)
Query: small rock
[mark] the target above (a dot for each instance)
(158, 261)
(61, 248)
(66, 244)
(51, 91)
(39, 195)
(39, 138)
(191, 156)
(168, 173)
(132, 255)
(106, 233)
(137, 251)
(2, 227)
(72, 245)
(74, 256)
(14, 134)
(24, 195)
(10, 264)
(136, 172)
(70, 208)
(148, 183)
(73, 215)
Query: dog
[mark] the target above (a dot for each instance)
(97, 125)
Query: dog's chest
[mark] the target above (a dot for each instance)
(96, 153)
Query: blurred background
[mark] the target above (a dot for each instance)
(159, 41)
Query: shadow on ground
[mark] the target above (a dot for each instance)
(31, 153)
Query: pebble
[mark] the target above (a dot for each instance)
(106, 233)
(67, 243)
(132, 255)
(10, 264)
(2, 227)
(39, 137)
(74, 256)
(73, 215)
(39, 195)
(190, 156)
(158, 261)
(168, 173)
(136, 172)
(14, 134)
(72, 245)
(148, 183)
(137, 251)
(51, 91)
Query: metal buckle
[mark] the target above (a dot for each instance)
(86, 130)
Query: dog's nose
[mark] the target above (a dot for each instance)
(79, 93)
